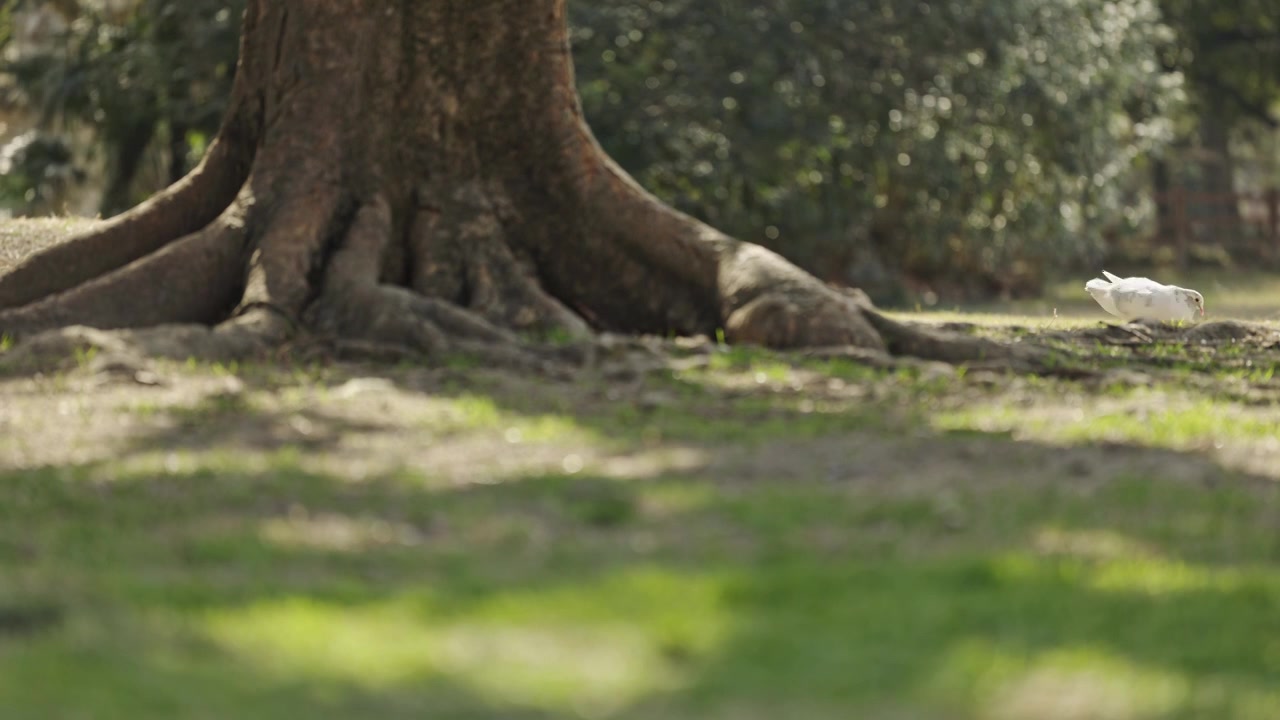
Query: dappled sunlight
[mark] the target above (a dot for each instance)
(495, 442)
(596, 670)
(1091, 544)
(1041, 321)
(1085, 682)
(337, 532)
(1080, 683)
(675, 597)
(594, 646)
(654, 462)
(1242, 436)
(1171, 577)
(377, 645)
(737, 533)
(470, 412)
(360, 427)
(1140, 574)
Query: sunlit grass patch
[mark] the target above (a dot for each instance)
(1160, 417)
(471, 412)
(598, 645)
(1030, 321)
(1068, 683)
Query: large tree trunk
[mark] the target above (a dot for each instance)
(418, 174)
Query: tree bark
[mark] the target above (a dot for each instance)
(419, 173)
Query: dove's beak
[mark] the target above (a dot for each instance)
(1202, 311)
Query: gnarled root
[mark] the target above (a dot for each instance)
(956, 349)
(372, 317)
(461, 254)
(317, 259)
(176, 212)
(196, 279)
(238, 339)
(769, 302)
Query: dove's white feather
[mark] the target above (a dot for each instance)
(1101, 291)
(1132, 298)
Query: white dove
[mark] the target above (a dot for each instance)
(1132, 298)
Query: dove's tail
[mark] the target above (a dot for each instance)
(1110, 277)
(1101, 291)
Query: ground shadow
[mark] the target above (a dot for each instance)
(877, 575)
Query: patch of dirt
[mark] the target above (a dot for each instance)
(1213, 332)
(485, 427)
(363, 421)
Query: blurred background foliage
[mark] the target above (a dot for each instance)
(135, 87)
(944, 149)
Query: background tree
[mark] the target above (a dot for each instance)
(960, 146)
(963, 143)
(420, 175)
(150, 75)
(1229, 51)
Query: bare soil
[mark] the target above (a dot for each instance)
(362, 418)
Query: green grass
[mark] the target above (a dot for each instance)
(186, 595)
(1163, 417)
(754, 536)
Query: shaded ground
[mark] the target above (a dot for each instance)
(688, 531)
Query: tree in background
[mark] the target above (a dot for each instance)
(961, 145)
(419, 176)
(1229, 51)
(143, 74)
(959, 142)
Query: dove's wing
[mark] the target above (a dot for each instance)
(1144, 298)
(1133, 300)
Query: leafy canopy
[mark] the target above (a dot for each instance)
(960, 135)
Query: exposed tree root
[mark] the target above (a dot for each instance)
(772, 303)
(289, 251)
(199, 278)
(182, 209)
(461, 254)
(422, 180)
(313, 267)
(954, 348)
(135, 347)
(355, 306)
(194, 280)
